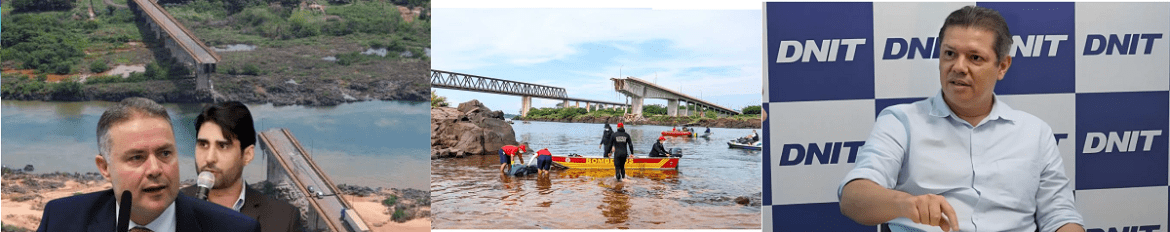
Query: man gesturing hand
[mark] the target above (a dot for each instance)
(929, 209)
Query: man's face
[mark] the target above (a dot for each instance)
(220, 156)
(968, 66)
(142, 160)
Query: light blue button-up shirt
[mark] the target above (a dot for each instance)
(1004, 174)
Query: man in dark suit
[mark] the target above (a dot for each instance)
(136, 152)
(224, 144)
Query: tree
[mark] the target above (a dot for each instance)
(751, 110)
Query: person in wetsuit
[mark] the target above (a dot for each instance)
(621, 141)
(606, 141)
(657, 150)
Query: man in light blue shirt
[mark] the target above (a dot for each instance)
(962, 160)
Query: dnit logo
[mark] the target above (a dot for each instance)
(1033, 45)
(1126, 141)
(897, 48)
(830, 153)
(827, 51)
(1146, 228)
(1126, 44)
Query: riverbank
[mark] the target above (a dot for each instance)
(25, 196)
(732, 123)
(400, 80)
(346, 54)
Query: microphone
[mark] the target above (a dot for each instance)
(124, 213)
(205, 182)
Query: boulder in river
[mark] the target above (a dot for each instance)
(469, 129)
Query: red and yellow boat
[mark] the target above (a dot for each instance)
(607, 163)
(676, 133)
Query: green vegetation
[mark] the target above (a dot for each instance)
(390, 201)
(437, 101)
(751, 110)
(43, 42)
(399, 214)
(18, 84)
(41, 5)
(251, 69)
(98, 66)
(54, 41)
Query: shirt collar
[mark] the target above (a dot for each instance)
(164, 223)
(999, 109)
(240, 201)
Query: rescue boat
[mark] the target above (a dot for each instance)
(585, 162)
(677, 133)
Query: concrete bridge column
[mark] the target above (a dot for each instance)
(565, 104)
(637, 103)
(525, 104)
(672, 108)
(687, 112)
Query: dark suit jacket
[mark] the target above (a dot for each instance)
(274, 215)
(95, 212)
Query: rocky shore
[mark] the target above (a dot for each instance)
(665, 121)
(25, 195)
(470, 129)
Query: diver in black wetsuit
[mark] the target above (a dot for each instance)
(606, 141)
(621, 141)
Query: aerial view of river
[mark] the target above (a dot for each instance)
(373, 144)
(472, 193)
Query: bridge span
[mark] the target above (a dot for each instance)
(468, 82)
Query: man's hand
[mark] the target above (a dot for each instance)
(868, 203)
(929, 209)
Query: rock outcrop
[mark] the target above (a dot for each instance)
(470, 129)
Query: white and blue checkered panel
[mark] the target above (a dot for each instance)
(1097, 73)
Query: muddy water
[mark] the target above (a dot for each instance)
(471, 192)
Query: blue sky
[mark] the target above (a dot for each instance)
(715, 54)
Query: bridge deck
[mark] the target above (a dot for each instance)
(683, 96)
(467, 82)
(180, 34)
(304, 172)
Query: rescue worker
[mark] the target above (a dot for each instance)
(543, 161)
(658, 150)
(509, 152)
(621, 141)
(606, 141)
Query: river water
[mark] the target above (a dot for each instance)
(471, 193)
(374, 144)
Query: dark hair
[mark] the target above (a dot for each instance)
(234, 120)
(123, 111)
(982, 18)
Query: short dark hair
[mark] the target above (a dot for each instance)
(233, 119)
(982, 18)
(123, 111)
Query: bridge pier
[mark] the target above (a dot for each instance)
(672, 107)
(637, 102)
(525, 104)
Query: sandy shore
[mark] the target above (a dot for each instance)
(23, 209)
(27, 213)
(377, 216)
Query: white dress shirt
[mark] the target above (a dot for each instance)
(1003, 174)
